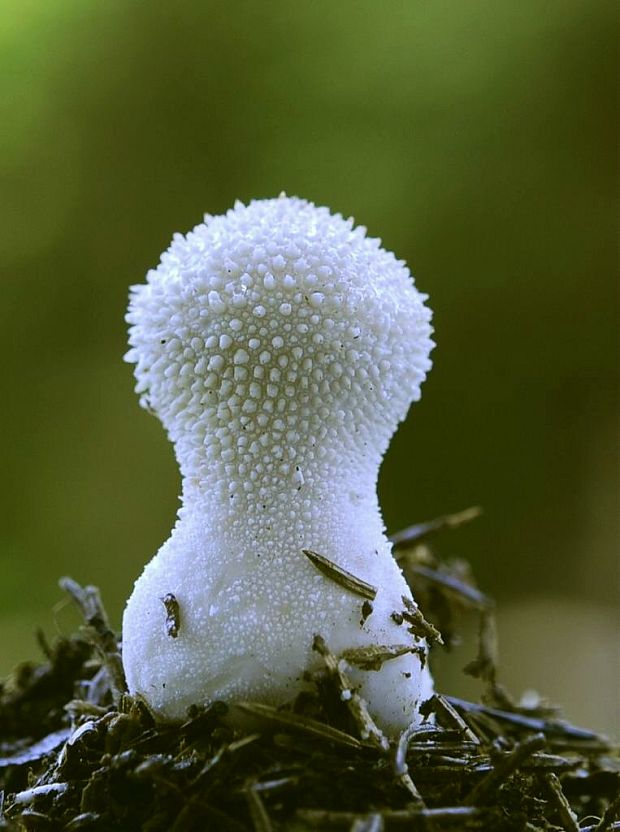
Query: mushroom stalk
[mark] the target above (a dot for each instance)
(280, 347)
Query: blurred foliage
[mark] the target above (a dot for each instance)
(477, 138)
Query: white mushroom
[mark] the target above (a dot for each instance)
(280, 347)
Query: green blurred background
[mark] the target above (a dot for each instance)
(476, 138)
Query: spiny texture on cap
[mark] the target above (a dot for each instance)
(272, 330)
(280, 347)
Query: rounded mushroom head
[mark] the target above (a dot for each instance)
(279, 320)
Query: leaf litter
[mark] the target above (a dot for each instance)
(78, 753)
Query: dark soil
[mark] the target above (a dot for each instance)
(78, 753)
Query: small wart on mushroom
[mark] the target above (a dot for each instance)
(280, 347)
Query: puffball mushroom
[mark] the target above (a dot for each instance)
(280, 347)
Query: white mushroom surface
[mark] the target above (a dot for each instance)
(280, 347)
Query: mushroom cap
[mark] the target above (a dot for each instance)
(281, 319)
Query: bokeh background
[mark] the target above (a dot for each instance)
(476, 138)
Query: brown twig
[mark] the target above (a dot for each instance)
(487, 786)
(98, 631)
